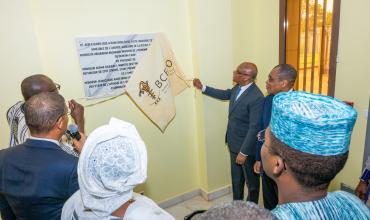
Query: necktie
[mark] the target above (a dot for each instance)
(237, 92)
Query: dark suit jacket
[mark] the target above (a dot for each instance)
(36, 178)
(244, 115)
(264, 122)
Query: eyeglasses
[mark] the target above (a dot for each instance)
(261, 135)
(68, 113)
(57, 86)
(271, 79)
(239, 73)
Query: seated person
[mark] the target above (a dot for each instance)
(237, 210)
(37, 177)
(113, 161)
(30, 86)
(306, 145)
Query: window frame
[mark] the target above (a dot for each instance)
(333, 46)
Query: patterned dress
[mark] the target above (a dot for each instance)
(336, 205)
(19, 131)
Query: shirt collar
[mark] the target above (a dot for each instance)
(243, 88)
(45, 139)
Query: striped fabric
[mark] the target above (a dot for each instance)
(337, 205)
(17, 124)
(19, 131)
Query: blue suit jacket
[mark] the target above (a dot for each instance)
(36, 178)
(264, 122)
(244, 115)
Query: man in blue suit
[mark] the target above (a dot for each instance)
(280, 79)
(37, 177)
(244, 112)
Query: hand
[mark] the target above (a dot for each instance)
(78, 145)
(197, 84)
(240, 159)
(361, 190)
(77, 113)
(257, 167)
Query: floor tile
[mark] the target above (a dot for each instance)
(179, 211)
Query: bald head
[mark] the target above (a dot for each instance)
(250, 67)
(245, 73)
(36, 84)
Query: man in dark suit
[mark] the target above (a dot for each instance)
(280, 79)
(244, 112)
(37, 177)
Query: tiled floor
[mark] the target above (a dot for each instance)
(196, 203)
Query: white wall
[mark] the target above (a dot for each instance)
(209, 38)
(43, 42)
(19, 56)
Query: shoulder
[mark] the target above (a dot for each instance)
(145, 208)
(3, 153)
(256, 95)
(288, 211)
(61, 159)
(15, 109)
(349, 204)
(345, 204)
(256, 91)
(268, 99)
(64, 157)
(345, 197)
(255, 87)
(12, 150)
(12, 154)
(16, 106)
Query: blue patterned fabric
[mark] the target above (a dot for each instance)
(312, 123)
(337, 205)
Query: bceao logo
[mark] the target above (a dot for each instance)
(163, 77)
(161, 84)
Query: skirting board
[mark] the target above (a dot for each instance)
(197, 192)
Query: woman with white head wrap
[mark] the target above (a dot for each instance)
(112, 162)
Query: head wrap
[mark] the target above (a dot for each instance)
(311, 123)
(112, 162)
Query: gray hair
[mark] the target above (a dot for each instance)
(287, 72)
(43, 110)
(237, 210)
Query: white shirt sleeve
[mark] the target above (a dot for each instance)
(204, 88)
(243, 154)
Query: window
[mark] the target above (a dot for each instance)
(309, 42)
